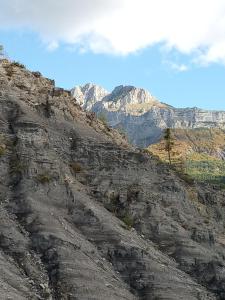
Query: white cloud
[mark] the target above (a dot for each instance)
(124, 26)
(52, 45)
(178, 67)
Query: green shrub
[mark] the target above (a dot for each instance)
(128, 221)
(222, 186)
(112, 206)
(186, 177)
(17, 167)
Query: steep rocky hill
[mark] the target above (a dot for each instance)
(85, 216)
(142, 117)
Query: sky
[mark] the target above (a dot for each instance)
(173, 48)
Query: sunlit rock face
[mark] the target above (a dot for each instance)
(88, 95)
(141, 115)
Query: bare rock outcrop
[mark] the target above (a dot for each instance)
(88, 95)
(143, 117)
(85, 216)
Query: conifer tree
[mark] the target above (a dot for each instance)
(168, 142)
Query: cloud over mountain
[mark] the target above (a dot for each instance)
(124, 26)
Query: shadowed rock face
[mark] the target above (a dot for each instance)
(85, 216)
(143, 117)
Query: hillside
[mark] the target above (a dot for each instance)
(86, 216)
(199, 153)
(141, 115)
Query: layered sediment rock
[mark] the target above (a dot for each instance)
(85, 216)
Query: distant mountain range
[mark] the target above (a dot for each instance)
(140, 114)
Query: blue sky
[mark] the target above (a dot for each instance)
(181, 72)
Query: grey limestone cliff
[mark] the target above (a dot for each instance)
(143, 117)
(88, 95)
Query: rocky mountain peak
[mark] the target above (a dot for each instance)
(141, 115)
(88, 94)
(129, 99)
(121, 90)
(132, 94)
(132, 99)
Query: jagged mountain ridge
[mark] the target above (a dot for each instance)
(84, 215)
(88, 95)
(143, 117)
(128, 99)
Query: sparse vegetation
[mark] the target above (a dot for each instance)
(203, 167)
(168, 143)
(146, 151)
(44, 178)
(121, 212)
(113, 205)
(2, 149)
(9, 70)
(110, 207)
(17, 167)
(102, 117)
(128, 221)
(48, 109)
(194, 197)
(186, 177)
(18, 64)
(195, 155)
(76, 167)
(122, 131)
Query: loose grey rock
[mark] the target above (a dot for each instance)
(71, 190)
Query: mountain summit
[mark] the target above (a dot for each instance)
(88, 94)
(130, 99)
(141, 115)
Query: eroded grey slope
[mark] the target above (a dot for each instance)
(71, 189)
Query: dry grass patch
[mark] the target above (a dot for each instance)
(2, 150)
(76, 167)
(44, 178)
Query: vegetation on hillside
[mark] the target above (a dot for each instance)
(102, 117)
(198, 153)
(168, 140)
